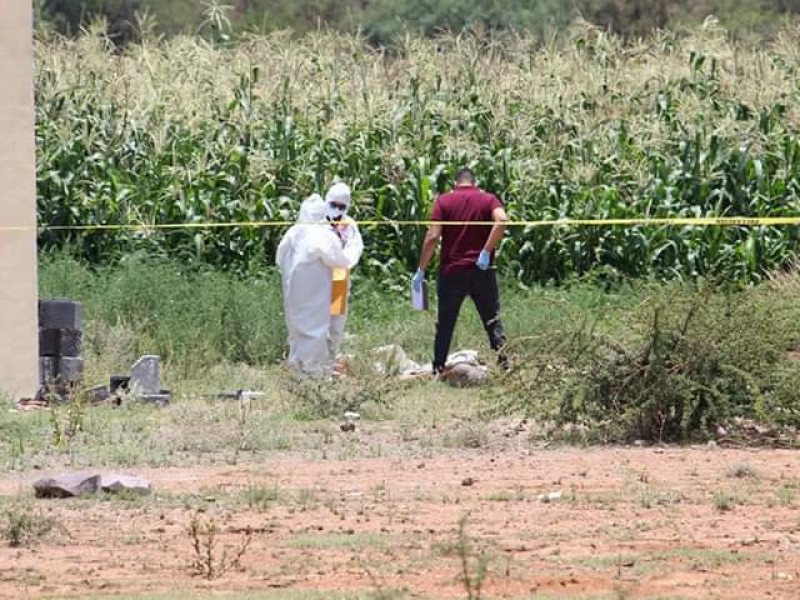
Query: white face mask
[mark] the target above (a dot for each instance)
(335, 210)
(337, 202)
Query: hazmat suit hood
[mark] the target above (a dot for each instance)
(337, 202)
(312, 210)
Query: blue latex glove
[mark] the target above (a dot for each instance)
(417, 280)
(484, 260)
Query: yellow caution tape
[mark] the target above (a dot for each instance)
(631, 222)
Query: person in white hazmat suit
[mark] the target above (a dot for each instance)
(322, 240)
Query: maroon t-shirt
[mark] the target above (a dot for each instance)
(461, 244)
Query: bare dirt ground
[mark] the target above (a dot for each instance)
(630, 523)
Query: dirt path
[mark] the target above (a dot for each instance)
(638, 523)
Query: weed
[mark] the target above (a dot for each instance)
(474, 564)
(786, 495)
(316, 399)
(307, 498)
(723, 500)
(24, 526)
(742, 471)
(501, 496)
(650, 497)
(260, 497)
(66, 419)
(206, 561)
(680, 369)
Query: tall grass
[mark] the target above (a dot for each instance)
(589, 127)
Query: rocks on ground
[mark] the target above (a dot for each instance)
(72, 485)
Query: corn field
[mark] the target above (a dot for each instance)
(585, 126)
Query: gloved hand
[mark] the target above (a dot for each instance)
(416, 281)
(344, 231)
(484, 260)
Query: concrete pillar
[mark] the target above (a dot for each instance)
(18, 280)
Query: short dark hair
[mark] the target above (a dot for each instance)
(465, 175)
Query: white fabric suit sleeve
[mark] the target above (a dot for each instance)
(284, 253)
(354, 247)
(328, 248)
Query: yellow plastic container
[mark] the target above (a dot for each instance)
(341, 278)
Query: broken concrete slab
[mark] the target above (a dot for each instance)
(67, 485)
(73, 485)
(115, 483)
(146, 376)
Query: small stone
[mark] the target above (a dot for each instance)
(712, 444)
(551, 497)
(352, 416)
(721, 431)
(468, 482)
(348, 427)
(784, 576)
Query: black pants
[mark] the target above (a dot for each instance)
(482, 288)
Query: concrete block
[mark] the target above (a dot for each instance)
(60, 314)
(70, 369)
(146, 376)
(48, 369)
(60, 342)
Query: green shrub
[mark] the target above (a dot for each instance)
(692, 360)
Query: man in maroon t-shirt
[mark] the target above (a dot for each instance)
(466, 261)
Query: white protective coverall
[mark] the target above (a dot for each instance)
(306, 256)
(337, 204)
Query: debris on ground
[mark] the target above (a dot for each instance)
(393, 360)
(28, 404)
(238, 395)
(349, 424)
(72, 485)
(464, 375)
(551, 497)
(462, 369)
